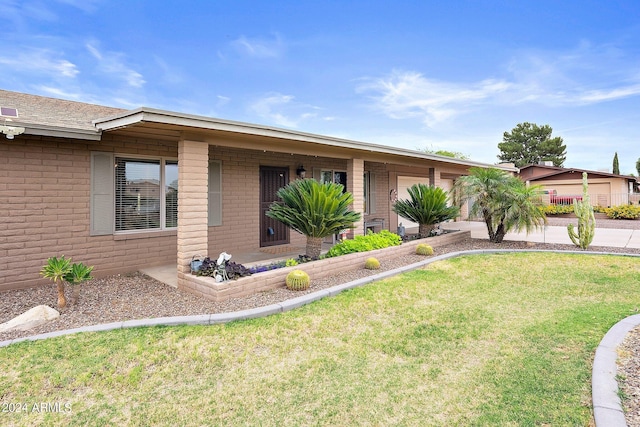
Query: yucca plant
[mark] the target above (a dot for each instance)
(427, 206)
(56, 269)
(315, 210)
(77, 274)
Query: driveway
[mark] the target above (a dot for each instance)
(609, 232)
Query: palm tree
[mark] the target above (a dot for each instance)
(56, 269)
(504, 201)
(315, 210)
(427, 206)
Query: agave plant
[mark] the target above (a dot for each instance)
(427, 206)
(315, 210)
(77, 274)
(56, 269)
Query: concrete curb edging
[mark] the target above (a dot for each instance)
(607, 408)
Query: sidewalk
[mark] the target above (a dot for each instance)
(556, 234)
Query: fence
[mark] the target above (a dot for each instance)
(602, 199)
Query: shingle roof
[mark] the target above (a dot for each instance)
(39, 110)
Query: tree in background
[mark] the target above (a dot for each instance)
(529, 143)
(446, 153)
(616, 165)
(504, 201)
(638, 166)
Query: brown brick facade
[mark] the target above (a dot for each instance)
(44, 210)
(45, 192)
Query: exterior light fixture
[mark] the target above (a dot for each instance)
(11, 131)
(301, 172)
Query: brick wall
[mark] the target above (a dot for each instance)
(44, 210)
(240, 229)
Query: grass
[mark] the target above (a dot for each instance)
(484, 340)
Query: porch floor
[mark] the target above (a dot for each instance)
(168, 274)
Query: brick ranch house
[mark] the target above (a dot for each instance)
(124, 189)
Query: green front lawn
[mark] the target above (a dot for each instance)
(489, 340)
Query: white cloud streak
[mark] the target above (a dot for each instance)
(260, 47)
(587, 75)
(283, 110)
(409, 94)
(112, 63)
(40, 62)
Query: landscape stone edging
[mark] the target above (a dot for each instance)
(607, 408)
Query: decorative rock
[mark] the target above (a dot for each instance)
(30, 319)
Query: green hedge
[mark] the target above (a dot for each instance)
(371, 241)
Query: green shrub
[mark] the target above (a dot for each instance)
(291, 262)
(558, 209)
(424, 249)
(371, 241)
(372, 264)
(298, 280)
(623, 212)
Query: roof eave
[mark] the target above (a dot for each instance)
(151, 115)
(59, 131)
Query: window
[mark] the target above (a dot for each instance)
(133, 194)
(337, 177)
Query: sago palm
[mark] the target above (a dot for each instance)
(504, 201)
(427, 206)
(315, 210)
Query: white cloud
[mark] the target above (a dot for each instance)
(410, 94)
(267, 108)
(87, 6)
(283, 110)
(260, 47)
(41, 62)
(60, 93)
(583, 76)
(112, 63)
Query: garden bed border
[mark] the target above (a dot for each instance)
(207, 287)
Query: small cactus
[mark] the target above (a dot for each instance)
(298, 280)
(372, 264)
(424, 249)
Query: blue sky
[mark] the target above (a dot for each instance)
(442, 75)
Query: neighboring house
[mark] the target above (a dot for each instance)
(605, 189)
(125, 189)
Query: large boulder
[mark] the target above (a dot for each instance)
(30, 319)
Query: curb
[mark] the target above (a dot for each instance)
(607, 408)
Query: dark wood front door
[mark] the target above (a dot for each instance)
(272, 232)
